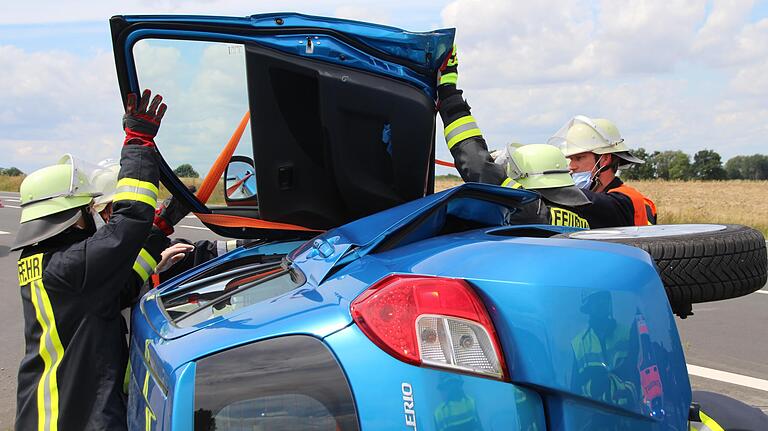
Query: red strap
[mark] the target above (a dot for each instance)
(163, 225)
(155, 277)
(237, 221)
(442, 163)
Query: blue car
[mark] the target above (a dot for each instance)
(364, 301)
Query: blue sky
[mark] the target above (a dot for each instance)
(671, 74)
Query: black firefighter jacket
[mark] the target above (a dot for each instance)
(71, 376)
(475, 164)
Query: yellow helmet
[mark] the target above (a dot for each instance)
(543, 168)
(51, 200)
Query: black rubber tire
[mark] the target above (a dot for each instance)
(703, 267)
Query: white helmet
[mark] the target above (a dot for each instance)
(105, 181)
(582, 134)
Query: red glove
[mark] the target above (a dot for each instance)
(141, 124)
(171, 212)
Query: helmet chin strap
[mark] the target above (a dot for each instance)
(595, 182)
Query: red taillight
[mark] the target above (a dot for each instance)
(430, 320)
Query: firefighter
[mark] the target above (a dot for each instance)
(71, 275)
(536, 167)
(596, 151)
(159, 252)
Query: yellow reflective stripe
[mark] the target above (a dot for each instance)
(458, 123)
(144, 265)
(148, 258)
(136, 190)
(449, 78)
(133, 182)
(51, 351)
(462, 136)
(461, 129)
(130, 196)
(142, 273)
(509, 182)
(709, 422)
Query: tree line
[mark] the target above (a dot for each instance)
(706, 165)
(11, 172)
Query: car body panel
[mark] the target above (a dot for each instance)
(539, 310)
(400, 54)
(391, 394)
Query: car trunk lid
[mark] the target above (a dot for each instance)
(341, 113)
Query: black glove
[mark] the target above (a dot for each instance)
(142, 123)
(170, 213)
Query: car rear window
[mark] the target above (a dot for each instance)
(282, 384)
(221, 293)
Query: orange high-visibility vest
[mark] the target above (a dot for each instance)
(645, 209)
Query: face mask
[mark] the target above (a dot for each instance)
(582, 179)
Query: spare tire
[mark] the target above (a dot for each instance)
(696, 262)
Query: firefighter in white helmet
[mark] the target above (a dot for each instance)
(596, 151)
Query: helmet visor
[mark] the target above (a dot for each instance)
(83, 175)
(560, 140)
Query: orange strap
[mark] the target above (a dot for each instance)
(639, 202)
(210, 180)
(225, 220)
(442, 163)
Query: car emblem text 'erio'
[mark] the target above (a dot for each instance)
(408, 405)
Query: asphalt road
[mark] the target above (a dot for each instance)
(726, 342)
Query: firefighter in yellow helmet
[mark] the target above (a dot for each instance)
(537, 167)
(71, 275)
(596, 151)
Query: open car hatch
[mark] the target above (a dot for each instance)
(336, 118)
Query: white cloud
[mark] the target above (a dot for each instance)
(662, 70)
(672, 74)
(54, 102)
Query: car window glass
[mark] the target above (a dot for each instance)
(205, 87)
(279, 384)
(285, 412)
(227, 296)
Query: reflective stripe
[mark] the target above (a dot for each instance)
(51, 351)
(461, 129)
(145, 265)
(449, 78)
(509, 182)
(136, 190)
(706, 424)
